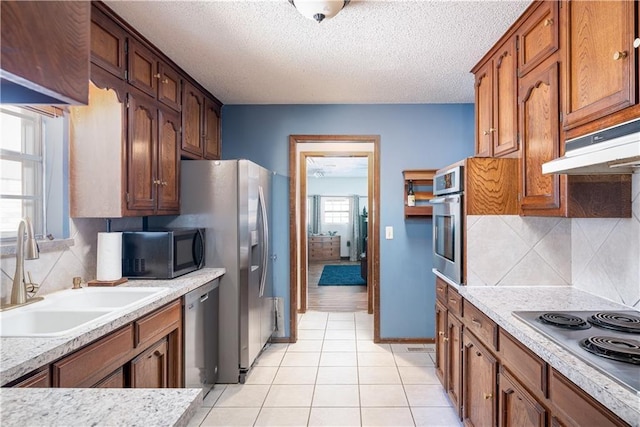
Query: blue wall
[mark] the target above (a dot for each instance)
(411, 137)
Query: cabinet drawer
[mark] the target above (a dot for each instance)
(529, 368)
(158, 324)
(441, 290)
(87, 366)
(575, 407)
(114, 380)
(454, 302)
(481, 326)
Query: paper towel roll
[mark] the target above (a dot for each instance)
(109, 262)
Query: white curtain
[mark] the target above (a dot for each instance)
(355, 238)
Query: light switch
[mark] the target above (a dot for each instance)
(388, 232)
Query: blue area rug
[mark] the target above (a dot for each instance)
(341, 275)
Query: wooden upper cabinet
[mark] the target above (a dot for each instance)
(141, 152)
(539, 129)
(496, 103)
(538, 36)
(601, 73)
(212, 146)
(484, 110)
(44, 49)
(169, 86)
(505, 101)
(108, 41)
(168, 184)
(143, 68)
(192, 115)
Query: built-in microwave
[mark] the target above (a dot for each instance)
(162, 254)
(448, 222)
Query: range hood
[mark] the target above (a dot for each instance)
(614, 150)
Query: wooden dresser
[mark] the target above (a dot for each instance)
(324, 248)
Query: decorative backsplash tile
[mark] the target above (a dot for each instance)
(600, 256)
(54, 271)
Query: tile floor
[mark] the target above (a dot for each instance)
(334, 376)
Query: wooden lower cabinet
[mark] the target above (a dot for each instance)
(146, 353)
(441, 333)
(115, 380)
(479, 375)
(454, 361)
(151, 368)
(517, 407)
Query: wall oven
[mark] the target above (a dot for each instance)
(448, 223)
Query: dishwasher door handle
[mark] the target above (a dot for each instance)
(204, 297)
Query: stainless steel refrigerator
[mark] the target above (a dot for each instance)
(231, 199)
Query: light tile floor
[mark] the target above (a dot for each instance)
(334, 376)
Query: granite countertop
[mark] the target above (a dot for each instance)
(19, 356)
(98, 407)
(64, 407)
(498, 302)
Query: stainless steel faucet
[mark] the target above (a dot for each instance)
(19, 289)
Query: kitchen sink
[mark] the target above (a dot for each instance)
(101, 297)
(64, 312)
(46, 323)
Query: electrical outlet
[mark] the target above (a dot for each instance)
(388, 232)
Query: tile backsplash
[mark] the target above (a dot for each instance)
(55, 270)
(600, 256)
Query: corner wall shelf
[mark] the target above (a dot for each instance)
(423, 190)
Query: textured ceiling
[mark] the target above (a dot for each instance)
(372, 52)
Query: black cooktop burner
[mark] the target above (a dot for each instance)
(564, 320)
(620, 349)
(622, 322)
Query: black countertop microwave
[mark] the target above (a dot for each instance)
(162, 254)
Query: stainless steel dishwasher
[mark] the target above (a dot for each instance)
(201, 336)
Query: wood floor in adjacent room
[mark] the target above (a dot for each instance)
(333, 298)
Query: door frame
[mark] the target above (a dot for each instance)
(297, 215)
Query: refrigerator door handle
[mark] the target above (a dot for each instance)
(265, 240)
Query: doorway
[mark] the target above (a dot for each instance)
(337, 233)
(302, 147)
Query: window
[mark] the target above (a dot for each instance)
(21, 170)
(336, 210)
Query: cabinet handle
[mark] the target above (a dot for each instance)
(547, 22)
(636, 43)
(157, 76)
(478, 354)
(440, 333)
(475, 322)
(453, 301)
(445, 339)
(620, 55)
(486, 132)
(492, 130)
(164, 183)
(487, 396)
(164, 81)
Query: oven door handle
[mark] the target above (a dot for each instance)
(446, 199)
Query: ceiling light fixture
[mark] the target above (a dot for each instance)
(319, 9)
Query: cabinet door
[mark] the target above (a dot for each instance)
(151, 368)
(169, 86)
(441, 344)
(168, 183)
(454, 365)
(538, 37)
(517, 407)
(601, 75)
(484, 110)
(143, 68)
(114, 380)
(45, 50)
(211, 130)
(141, 153)
(192, 113)
(539, 130)
(505, 101)
(479, 383)
(107, 44)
